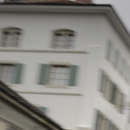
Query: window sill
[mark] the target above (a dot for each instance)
(51, 93)
(58, 86)
(42, 50)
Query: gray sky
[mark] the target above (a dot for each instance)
(122, 7)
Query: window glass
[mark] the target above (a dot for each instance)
(7, 72)
(59, 75)
(10, 37)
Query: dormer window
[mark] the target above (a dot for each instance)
(63, 39)
(10, 37)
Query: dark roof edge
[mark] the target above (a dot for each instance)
(61, 4)
(13, 95)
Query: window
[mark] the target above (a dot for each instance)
(111, 92)
(58, 75)
(106, 86)
(115, 58)
(7, 72)
(63, 39)
(10, 37)
(114, 94)
(10, 73)
(102, 123)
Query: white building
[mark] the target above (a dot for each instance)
(58, 55)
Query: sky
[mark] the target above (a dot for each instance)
(122, 7)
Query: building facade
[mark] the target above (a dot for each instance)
(71, 59)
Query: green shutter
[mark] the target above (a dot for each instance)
(42, 109)
(73, 73)
(18, 73)
(43, 77)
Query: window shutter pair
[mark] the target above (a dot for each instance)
(44, 74)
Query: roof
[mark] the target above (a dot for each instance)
(52, 1)
(49, 1)
(57, 2)
(13, 95)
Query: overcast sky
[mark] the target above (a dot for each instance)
(122, 7)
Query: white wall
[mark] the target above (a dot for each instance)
(92, 33)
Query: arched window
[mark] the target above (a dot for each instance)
(63, 39)
(10, 37)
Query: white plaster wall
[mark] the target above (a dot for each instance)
(38, 28)
(38, 35)
(63, 109)
(128, 127)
